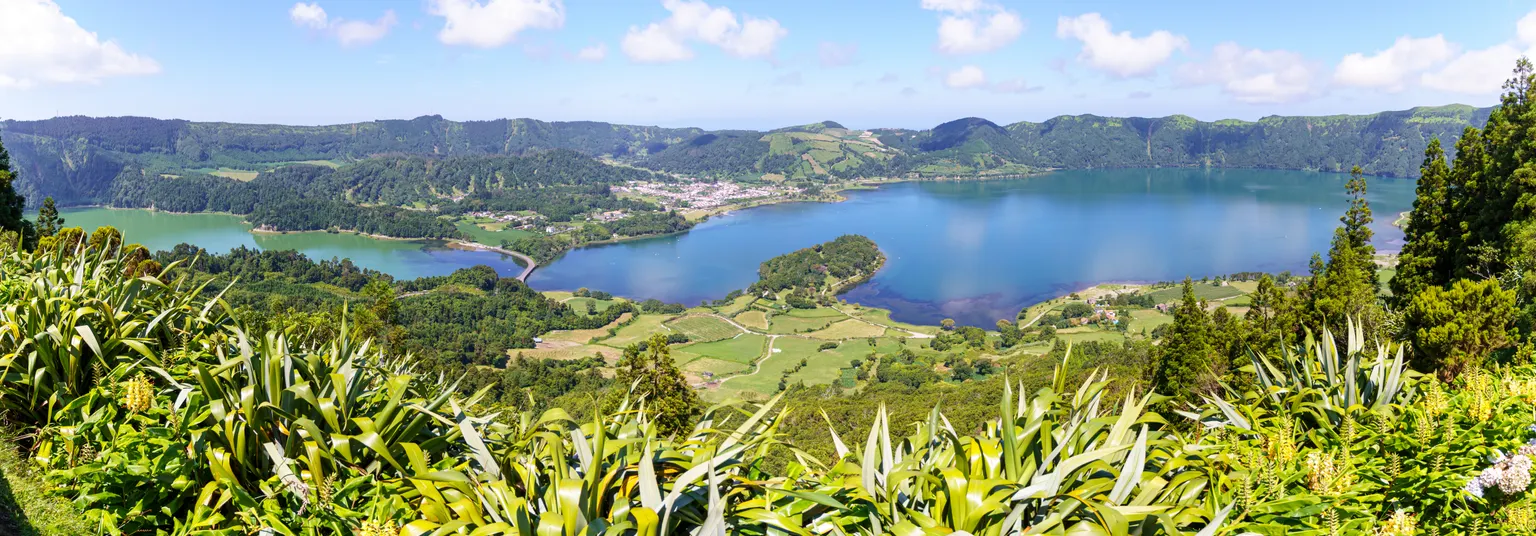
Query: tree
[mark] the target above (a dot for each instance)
(1425, 258)
(948, 324)
(12, 204)
(650, 379)
(383, 295)
(1229, 348)
(1345, 287)
(1185, 366)
(1076, 310)
(1271, 317)
(48, 220)
(1453, 330)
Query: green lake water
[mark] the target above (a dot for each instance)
(404, 259)
(972, 251)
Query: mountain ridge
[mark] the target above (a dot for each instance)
(75, 158)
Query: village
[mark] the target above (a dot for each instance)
(701, 194)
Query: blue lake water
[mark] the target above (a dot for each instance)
(980, 251)
(972, 251)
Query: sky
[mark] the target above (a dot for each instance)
(751, 64)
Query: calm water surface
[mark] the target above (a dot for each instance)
(404, 259)
(980, 251)
(972, 251)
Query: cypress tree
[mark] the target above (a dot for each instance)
(1184, 370)
(1345, 287)
(48, 220)
(12, 204)
(658, 384)
(1424, 259)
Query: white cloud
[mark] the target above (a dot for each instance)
(955, 6)
(694, 20)
(593, 53)
(1017, 85)
(40, 45)
(309, 15)
(1254, 76)
(357, 32)
(1392, 68)
(837, 55)
(967, 77)
(1119, 54)
(493, 23)
(974, 26)
(973, 77)
(347, 32)
(1483, 71)
(1475, 72)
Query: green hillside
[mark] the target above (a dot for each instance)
(76, 160)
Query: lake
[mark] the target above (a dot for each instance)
(972, 251)
(404, 259)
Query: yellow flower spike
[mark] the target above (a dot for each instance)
(1400, 523)
(139, 394)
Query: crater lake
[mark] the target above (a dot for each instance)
(974, 251)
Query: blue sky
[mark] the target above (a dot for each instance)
(749, 64)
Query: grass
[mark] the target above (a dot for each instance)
(743, 349)
(1148, 319)
(717, 367)
(883, 317)
(790, 323)
(638, 331)
(1090, 334)
(1238, 301)
(1384, 276)
(849, 329)
(753, 319)
(580, 305)
(236, 174)
(581, 336)
(487, 236)
(704, 328)
(26, 506)
(565, 351)
(1248, 287)
(1204, 291)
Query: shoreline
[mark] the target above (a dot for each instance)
(528, 263)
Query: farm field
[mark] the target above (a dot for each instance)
(236, 174)
(848, 329)
(754, 319)
(1085, 334)
(580, 305)
(704, 328)
(1148, 320)
(490, 237)
(581, 336)
(1204, 291)
(803, 320)
(883, 317)
(743, 349)
(642, 328)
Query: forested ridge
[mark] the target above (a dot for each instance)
(77, 160)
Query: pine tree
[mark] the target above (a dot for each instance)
(1184, 371)
(48, 220)
(657, 385)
